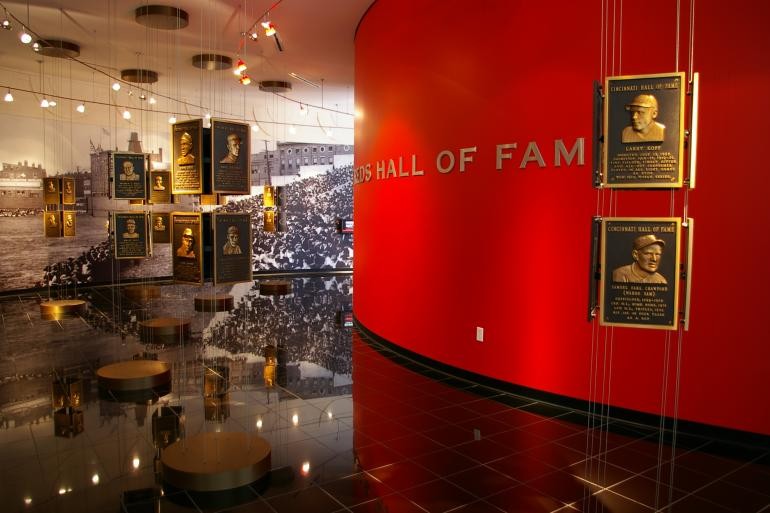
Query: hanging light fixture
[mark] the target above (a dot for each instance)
(255, 128)
(172, 119)
(153, 101)
(52, 103)
(126, 114)
(25, 37)
(240, 67)
(245, 80)
(269, 28)
(6, 23)
(253, 34)
(44, 103)
(81, 108)
(36, 46)
(116, 86)
(8, 96)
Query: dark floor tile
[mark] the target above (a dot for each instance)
(735, 498)
(483, 450)
(678, 476)
(413, 445)
(484, 426)
(438, 496)
(445, 462)
(562, 486)
(607, 502)
(646, 491)
(376, 455)
(517, 418)
(598, 473)
(482, 481)
(354, 489)
(556, 455)
(692, 504)
(312, 499)
(521, 467)
(403, 474)
(476, 507)
(524, 499)
(393, 503)
(751, 476)
(450, 435)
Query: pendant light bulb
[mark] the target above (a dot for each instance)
(52, 103)
(254, 35)
(171, 120)
(25, 37)
(81, 108)
(8, 96)
(44, 103)
(240, 67)
(116, 86)
(255, 128)
(269, 28)
(245, 80)
(126, 114)
(6, 23)
(153, 101)
(36, 46)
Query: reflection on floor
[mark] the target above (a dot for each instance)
(353, 426)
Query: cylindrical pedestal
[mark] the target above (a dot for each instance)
(134, 375)
(274, 287)
(213, 303)
(164, 330)
(212, 461)
(141, 293)
(61, 308)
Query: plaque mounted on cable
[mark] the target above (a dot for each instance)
(187, 158)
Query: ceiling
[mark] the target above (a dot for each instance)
(317, 40)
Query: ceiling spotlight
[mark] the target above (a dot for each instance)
(153, 101)
(245, 80)
(253, 35)
(269, 28)
(142, 96)
(44, 103)
(8, 96)
(6, 23)
(302, 110)
(172, 119)
(126, 114)
(25, 37)
(81, 108)
(240, 67)
(116, 86)
(52, 103)
(36, 46)
(255, 128)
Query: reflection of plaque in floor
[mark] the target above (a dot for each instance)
(57, 309)
(141, 293)
(213, 303)
(213, 461)
(164, 330)
(274, 287)
(134, 375)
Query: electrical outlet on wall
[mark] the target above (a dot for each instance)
(479, 334)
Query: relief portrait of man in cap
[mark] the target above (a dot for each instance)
(185, 146)
(647, 252)
(643, 128)
(187, 247)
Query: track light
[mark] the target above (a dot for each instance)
(8, 96)
(253, 35)
(52, 103)
(269, 28)
(6, 23)
(153, 101)
(171, 120)
(116, 86)
(36, 46)
(44, 103)
(25, 37)
(81, 108)
(240, 67)
(142, 96)
(245, 80)
(126, 114)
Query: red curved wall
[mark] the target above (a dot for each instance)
(438, 254)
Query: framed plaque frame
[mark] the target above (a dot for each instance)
(187, 249)
(230, 156)
(187, 157)
(69, 223)
(232, 248)
(644, 129)
(130, 234)
(129, 178)
(640, 259)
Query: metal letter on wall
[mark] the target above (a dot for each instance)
(130, 235)
(231, 173)
(232, 248)
(640, 272)
(187, 157)
(187, 249)
(644, 131)
(130, 175)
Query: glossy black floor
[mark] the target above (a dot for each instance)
(352, 425)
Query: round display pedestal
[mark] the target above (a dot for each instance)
(164, 330)
(275, 287)
(61, 308)
(134, 375)
(213, 303)
(211, 461)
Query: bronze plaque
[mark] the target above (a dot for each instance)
(160, 187)
(130, 235)
(187, 157)
(231, 172)
(69, 223)
(268, 196)
(232, 248)
(52, 224)
(51, 190)
(188, 247)
(269, 221)
(161, 228)
(129, 175)
(68, 191)
(644, 131)
(640, 272)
